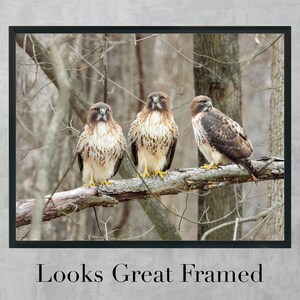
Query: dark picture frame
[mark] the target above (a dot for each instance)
(13, 243)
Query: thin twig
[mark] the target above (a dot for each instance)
(111, 81)
(236, 225)
(260, 215)
(97, 222)
(185, 208)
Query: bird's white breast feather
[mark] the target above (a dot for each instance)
(155, 125)
(201, 138)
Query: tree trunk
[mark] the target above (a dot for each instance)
(276, 188)
(220, 80)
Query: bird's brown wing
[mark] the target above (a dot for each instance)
(134, 152)
(117, 165)
(80, 162)
(170, 155)
(79, 149)
(227, 136)
(133, 134)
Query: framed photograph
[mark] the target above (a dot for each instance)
(165, 137)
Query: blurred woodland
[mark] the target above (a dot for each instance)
(242, 73)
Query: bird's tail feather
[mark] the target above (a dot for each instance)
(247, 164)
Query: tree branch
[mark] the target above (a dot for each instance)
(41, 56)
(264, 214)
(181, 180)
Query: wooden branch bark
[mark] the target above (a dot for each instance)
(275, 228)
(181, 180)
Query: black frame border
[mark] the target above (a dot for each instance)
(286, 30)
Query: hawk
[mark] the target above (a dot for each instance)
(220, 139)
(100, 146)
(153, 135)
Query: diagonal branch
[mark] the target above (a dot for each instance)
(182, 180)
(41, 56)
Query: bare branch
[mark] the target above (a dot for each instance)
(108, 79)
(41, 55)
(182, 180)
(262, 215)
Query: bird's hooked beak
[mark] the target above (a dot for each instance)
(156, 103)
(209, 104)
(206, 106)
(102, 114)
(155, 99)
(102, 111)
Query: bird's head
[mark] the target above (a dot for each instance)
(99, 112)
(158, 101)
(201, 104)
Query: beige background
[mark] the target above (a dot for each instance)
(18, 270)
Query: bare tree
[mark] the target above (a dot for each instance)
(217, 76)
(276, 146)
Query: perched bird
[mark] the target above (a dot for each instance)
(153, 135)
(100, 146)
(220, 139)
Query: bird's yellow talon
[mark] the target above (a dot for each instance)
(145, 173)
(160, 173)
(106, 183)
(210, 166)
(91, 182)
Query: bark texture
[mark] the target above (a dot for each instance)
(182, 180)
(276, 188)
(218, 78)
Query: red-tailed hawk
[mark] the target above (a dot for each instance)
(101, 146)
(153, 135)
(220, 139)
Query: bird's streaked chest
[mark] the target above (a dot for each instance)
(199, 132)
(155, 130)
(101, 142)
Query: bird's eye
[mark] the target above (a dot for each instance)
(150, 98)
(161, 98)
